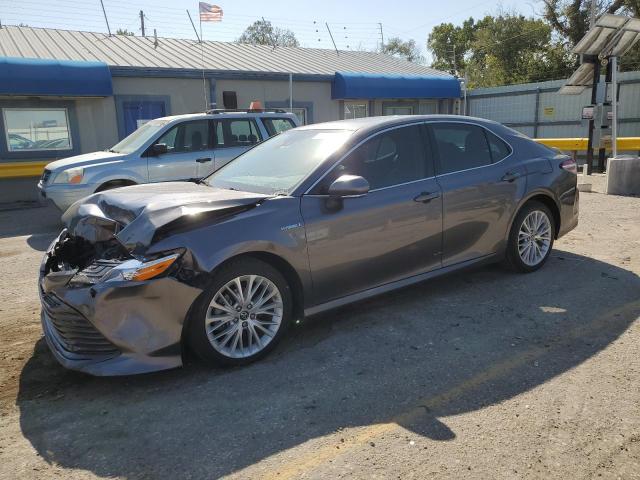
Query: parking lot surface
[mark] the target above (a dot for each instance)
(480, 374)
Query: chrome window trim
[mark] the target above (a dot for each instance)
(511, 150)
(339, 161)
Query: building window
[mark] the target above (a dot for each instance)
(398, 110)
(355, 110)
(37, 129)
(301, 113)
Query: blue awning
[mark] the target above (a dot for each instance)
(372, 86)
(34, 76)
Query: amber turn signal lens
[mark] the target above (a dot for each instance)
(75, 179)
(153, 269)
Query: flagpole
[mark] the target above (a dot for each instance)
(204, 82)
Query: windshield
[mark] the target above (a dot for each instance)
(281, 163)
(139, 137)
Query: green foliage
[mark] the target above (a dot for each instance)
(124, 31)
(407, 50)
(509, 48)
(261, 32)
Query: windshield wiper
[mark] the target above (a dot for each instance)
(111, 150)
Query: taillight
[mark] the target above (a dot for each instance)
(570, 166)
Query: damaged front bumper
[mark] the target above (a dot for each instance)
(115, 327)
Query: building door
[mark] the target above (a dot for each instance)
(137, 113)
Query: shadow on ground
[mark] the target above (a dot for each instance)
(446, 346)
(37, 222)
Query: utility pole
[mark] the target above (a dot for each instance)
(105, 17)
(455, 67)
(381, 37)
(592, 14)
(142, 23)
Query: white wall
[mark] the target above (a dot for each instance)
(319, 93)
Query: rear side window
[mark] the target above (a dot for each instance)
(277, 125)
(499, 150)
(237, 133)
(390, 158)
(460, 146)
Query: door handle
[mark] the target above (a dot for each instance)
(203, 160)
(426, 197)
(510, 176)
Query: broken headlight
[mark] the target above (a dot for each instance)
(137, 270)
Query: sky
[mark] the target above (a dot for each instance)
(353, 23)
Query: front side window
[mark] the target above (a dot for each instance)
(187, 137)
(40, 129)
(461, 146)
(237, 133)
(279, 164)
(277, 125)
(355, 110)
(390, 158)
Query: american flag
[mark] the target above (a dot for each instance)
(210, 13)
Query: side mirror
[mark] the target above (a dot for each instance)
(348, 186)
(158, 149)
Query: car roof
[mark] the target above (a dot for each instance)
(189, 116)
(375, 123)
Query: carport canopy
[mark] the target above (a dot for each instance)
(348, 85)
(35, 76)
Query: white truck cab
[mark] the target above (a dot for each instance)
(179, 147)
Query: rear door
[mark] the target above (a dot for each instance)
(390, 233)
(481, 183)
(189, 146)
(233, 136)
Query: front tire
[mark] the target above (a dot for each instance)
(242, 315)
(531, 238)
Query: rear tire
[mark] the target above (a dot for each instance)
(243, 314)
(531, 238)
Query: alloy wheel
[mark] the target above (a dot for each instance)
(244, 316)
(534, 238)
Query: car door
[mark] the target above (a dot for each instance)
(189, 146)
(392, 232)
(233, 136)
(481, 185)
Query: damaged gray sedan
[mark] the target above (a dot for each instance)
(312, 219)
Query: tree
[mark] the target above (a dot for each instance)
(498, 50)
(407, 50)
(261, 32)
(569, 20)
(450, 45)
(124, 31)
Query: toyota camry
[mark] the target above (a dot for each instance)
(309, 220)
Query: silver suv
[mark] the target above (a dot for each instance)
(180, 147)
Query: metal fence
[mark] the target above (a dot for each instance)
(537, 110)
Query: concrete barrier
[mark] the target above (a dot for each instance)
(623, 176)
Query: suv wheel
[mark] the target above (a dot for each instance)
(242, 315)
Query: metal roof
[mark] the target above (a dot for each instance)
(172, 53)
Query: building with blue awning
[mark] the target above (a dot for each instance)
(63, 92)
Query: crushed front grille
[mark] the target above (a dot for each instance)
(73, 335)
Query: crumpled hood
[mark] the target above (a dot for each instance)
(135, 214)
(85, 160)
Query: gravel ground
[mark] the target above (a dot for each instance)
(481, 374)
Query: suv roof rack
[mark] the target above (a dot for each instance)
(216, 111)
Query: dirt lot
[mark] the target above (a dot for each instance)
(482, 374)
